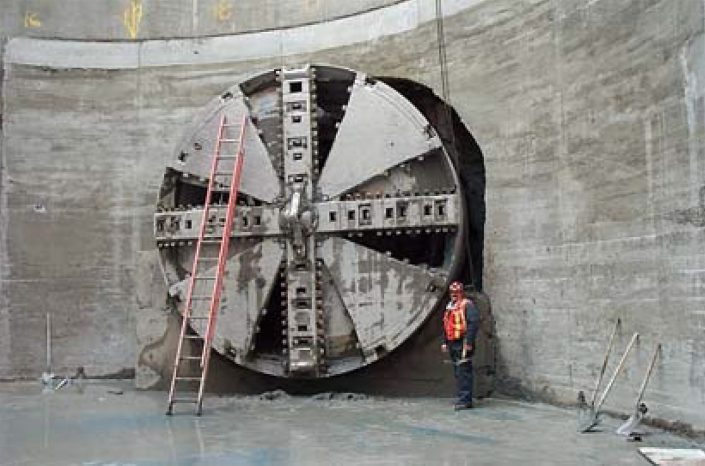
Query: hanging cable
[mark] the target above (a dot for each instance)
(445, 83)
(442, 59)
(450, 121)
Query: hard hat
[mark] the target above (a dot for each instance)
(456, 287)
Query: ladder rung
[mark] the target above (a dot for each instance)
(192, 337)
(211, 241)
(229, 140)
(207, 277)
(200, 297)
(232, 125)
(227, 157)
(184, 400)
(189, 379)
(223, 174)
(190, 358)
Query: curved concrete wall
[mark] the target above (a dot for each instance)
(590, 114)
(151, 19)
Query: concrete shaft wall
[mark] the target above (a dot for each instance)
(590, 114)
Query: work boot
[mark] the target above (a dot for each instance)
(461, 406)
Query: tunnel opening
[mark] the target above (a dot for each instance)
(424, 249)
(332, 95)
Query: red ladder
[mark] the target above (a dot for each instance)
(199, 272)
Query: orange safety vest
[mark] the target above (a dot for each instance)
(454, 322)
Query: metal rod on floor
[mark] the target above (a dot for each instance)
(48, 343)
(657, 350)
(604, 363)
(616, 372)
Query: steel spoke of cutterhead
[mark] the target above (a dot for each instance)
(430, 212)
(302, 335)
(179, 226)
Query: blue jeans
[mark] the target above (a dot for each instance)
(462, 371)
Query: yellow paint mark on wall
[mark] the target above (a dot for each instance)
(31, 20)
(223, 10)
(132, 17)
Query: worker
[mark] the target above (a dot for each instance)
(461, 321)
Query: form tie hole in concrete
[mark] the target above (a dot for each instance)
(381, 351)
(40, 207)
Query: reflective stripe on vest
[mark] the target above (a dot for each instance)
(454, 322)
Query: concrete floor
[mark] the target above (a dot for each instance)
(96, 425)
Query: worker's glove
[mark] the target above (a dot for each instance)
(468, 347)
(444, 348)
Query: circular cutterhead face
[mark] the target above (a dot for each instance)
(346, 228)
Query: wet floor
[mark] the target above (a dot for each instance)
(111, 424)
